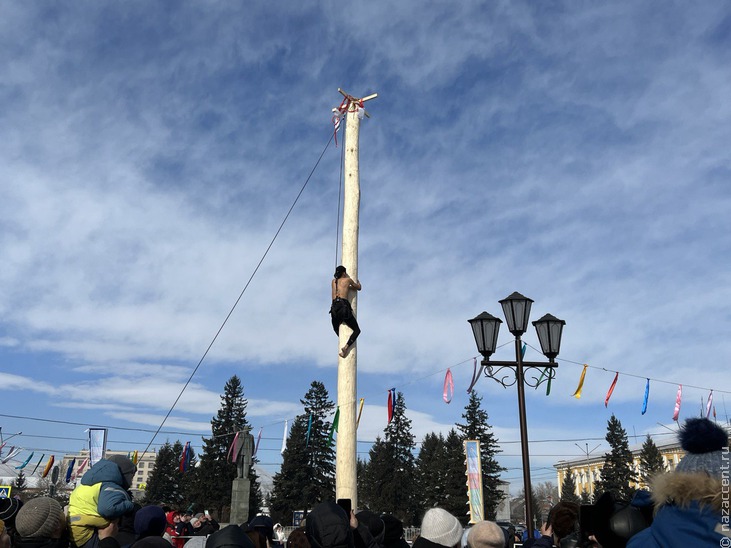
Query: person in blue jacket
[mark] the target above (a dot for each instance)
(689, 501)
(101, 498)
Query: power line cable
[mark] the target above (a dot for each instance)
(266, 252)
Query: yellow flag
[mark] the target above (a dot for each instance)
(360, 410)
(577, 394)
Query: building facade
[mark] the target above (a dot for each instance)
(587, 470)
(145, 466)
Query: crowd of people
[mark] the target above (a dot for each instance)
(687, 507)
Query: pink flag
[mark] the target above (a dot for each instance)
(258, 439)
(390, 404)
(231, 449)
(678, 398)
(710, 404)
(448, 391)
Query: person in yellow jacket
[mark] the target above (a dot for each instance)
(101, 497)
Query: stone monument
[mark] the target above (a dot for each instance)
(241, 487)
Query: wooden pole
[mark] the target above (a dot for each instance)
(346, 455)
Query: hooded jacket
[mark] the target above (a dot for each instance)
(101, 496)
(230, 536)
(328, 526)
(688, 513)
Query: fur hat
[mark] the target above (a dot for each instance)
(441, 527)
(703, 441)
(39, 518)
(486, 534)
(125, 466)
(8, 510)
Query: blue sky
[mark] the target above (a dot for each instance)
(575, 153)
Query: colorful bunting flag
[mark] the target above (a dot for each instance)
(25, 463)
(258, 439)
(475, 375)
(448, 391)
(522, 351)
(678, 399)
(360, 412)
(309, 429)
(647, 395)
(577, 394)
(284, 439)
(81, 467)
(334, 427)
(48, 467)
(185, 458)
(391, 398)
(710, 404)
(611, 389)
(230, 456)
(135, 458)
(38, 464)
(70, 469)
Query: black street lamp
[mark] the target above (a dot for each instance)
(485, 328)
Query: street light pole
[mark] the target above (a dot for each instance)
(485, 328)
(528, 497)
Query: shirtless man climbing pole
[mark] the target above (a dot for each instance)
(341, 311)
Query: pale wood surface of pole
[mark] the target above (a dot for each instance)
(346, 457)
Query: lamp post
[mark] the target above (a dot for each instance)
(485, 327)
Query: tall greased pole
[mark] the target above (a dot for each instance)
(345, 462)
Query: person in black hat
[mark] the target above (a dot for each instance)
(340, 311)
(9, 508)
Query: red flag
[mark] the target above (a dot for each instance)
(611, 389)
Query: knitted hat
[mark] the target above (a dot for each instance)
(125, 466)
(441, 527)
(39, 518)
(703, 441)
(150, 522)
(486, 534)
(9, 509)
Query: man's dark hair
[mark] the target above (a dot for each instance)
(339, 271)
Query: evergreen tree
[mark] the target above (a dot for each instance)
(20, 483)
(165, 484)
(455, 497)
(320, 449)
(476, 427)
(586, 498)
(216, 473)
(390, 471)
(617, 472)
(307, 474)
(429, 472)
(651, 462)
(288, 492)
(568, 488)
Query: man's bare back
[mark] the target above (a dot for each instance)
(341, 286)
